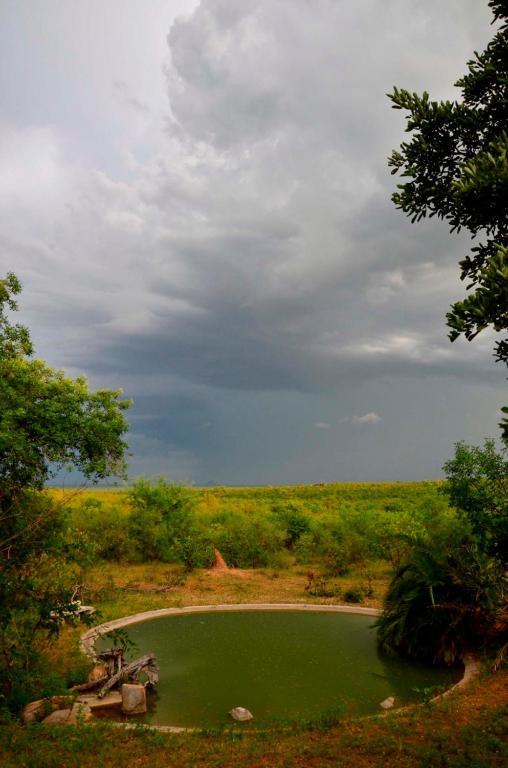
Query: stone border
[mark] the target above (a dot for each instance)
(88, 640)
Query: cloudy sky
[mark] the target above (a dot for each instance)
(196, 199)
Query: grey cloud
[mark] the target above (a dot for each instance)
(250, 252)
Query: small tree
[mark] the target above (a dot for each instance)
(456, 166)
(477, 485)
(47, 421)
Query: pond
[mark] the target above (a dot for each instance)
(281, 665)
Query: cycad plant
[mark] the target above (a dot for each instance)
(444, 602)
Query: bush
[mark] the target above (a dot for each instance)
(354, 595)
(162, 516)
(246, 541)
(444, 601)
(105, 530)
(292, 521)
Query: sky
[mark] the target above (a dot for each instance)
(196, 199)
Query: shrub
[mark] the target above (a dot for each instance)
(162, 516)
(444, 601)
(105, 530)
(246, 541)
(354, 595)
(292, 521)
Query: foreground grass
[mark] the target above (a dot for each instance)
(469, 730)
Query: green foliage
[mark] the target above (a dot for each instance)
(477, 485)
(161, 519)
(294, 523)
(47, 421)
(456, 167)
(354, 595)
(447, 599)
(103, 530)
(246, 541)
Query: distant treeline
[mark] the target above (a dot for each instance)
(337, 526)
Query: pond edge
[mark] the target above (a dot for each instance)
(88, 639)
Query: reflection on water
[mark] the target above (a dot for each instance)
(282, 665)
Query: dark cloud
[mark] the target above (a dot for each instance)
(239, 264)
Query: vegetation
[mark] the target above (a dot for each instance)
(456, 166)
(47, 421)
(333, 527)
(451, 594)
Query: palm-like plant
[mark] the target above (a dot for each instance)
(443, 602)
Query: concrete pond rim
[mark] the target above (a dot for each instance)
(89, 638)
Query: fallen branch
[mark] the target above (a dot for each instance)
(144, 664)
(90, 685)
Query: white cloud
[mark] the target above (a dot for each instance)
(367, 418)
(322, 425)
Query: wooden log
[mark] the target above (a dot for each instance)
(90, 685)
(133, 668)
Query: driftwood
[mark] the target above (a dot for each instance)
(146, 664)
(113, 658)
(90, 685)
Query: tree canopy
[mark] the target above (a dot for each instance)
(455, 166)
(47, 421)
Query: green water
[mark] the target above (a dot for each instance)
(283, 665)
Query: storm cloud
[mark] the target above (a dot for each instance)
(198, 205)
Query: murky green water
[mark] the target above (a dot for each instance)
(282, 665)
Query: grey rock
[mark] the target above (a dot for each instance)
(133, 699)
(241, 714)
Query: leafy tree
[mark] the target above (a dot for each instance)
(456, 167)
(477, 485)
(47, 421)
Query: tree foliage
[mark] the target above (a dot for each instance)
(455, 166)
(477, 486)
(450, 596)
(47, 421)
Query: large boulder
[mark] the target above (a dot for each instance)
(133, 699)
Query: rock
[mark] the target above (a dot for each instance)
(37, 710)
(388, 703)
(133, 699)
(110, 701)
(97, 673)
(80, 713)
(34, 711)
(58, 717)
(241, 714)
